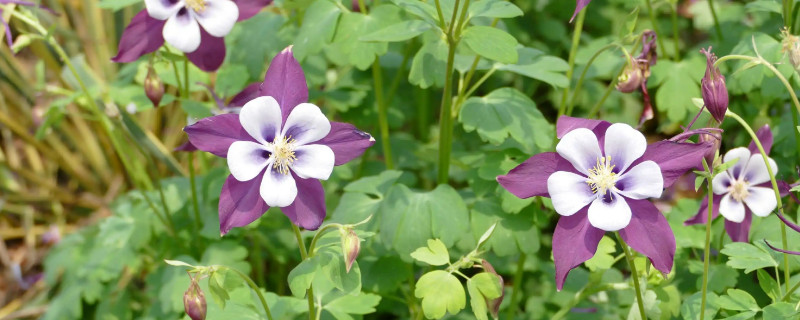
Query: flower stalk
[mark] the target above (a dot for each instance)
(634, 275)
(383, 119)
(707, 250)
(304, 254)
(655, 27)
(576, 39)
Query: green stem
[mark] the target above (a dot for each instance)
(185, 90)
(796, 133)
(573, 51)
(610, 88)
(512, 310)
(655, 27)
(178, 81)
(675, 32)
(446, 114)
(193, 184)
(634, 275)
(716, 20)
(255, 288)
(791, 291)
(383, 119)
(707, 251)
(304, 254)
(787, 13)
(319, 235)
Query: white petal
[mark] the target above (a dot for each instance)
(247, 159)
(721, 183)
(610, 216)
(261, 118)
(218, 17)
(743, 154)
(277, 189)
(761, 201)
(580, 147)
(731, 209)
(756, 172)
(163, 9)
(306, 124)
(624, 144)
(642, 181)
(569, 192)
(182, 31)
(313, 161)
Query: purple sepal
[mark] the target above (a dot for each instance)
(346, 141)
(249, 8)
(142, 36)
(216, 134)
(675, 158)
(285, 82)
(702, 213)
(789, 223)
(308, 209)
(740, 232)
(211, 53)
(529, 179)
(574, 242)
(251, 92)
(239, 204)
(566, 124)
(579, 5)
(186, 147)
(649, 234)
(764, 135)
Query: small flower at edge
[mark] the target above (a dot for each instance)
(351, 245)
(715, 93)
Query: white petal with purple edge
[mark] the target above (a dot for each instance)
(761, 201)
(313, 161)
(642, 181)
(721, 183)
(218, 17)
(569, 192)
(624, 144)
(580, 147)
(163, 9)
(182, 31)
(306, 124)
(278, 189)
(756, 172)
(610, 216)
(731, 209)
(261, 118)
(743, 155)
(247, 159)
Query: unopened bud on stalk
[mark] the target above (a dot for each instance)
(494, 305)
(715, 93)
(632, 78)
(194, 301)
(351, 244)
(153, 87)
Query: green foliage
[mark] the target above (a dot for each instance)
(748, 257)
(441, 292)
(434, 254)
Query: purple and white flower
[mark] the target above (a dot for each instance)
(599, 179)
(278, 148)
(195, 27)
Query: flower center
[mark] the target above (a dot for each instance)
(283, 154)
(738, 190)
(196, 5)
(602, 177)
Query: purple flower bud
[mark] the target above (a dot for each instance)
(194, 301)
(351, 244)
(153, 87)
(715, 94)
(632, 78)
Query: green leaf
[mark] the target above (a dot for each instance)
(420, 9)
(603, 258)
(764, 6)
(536, 64)
(434, 254)
(738, 300)
(780, 310)
(491, 43)
(486, 235)
(196, 109)
(178, 263)
(747, 315)
(231, 79)
(115, 5)
(748, 257)
(679, 83)
(494, 9)
(346, 49)
(363, 303)
(476, 301)
(429, 64)
(319, 26)
(441, 292)
(488, 284)
(769, 285)
(507, 112)
(690, 310)
(302, 275)
(514, 233)
(398, 32)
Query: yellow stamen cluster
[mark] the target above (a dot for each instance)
(283, 154)
(602, 177)
(738, 190)
(196, 5)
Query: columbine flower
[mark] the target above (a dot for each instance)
(195, 27)
(715, 94)
(599, 179)
(743, 190)
(278, 148)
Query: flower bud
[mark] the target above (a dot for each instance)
(632, 78)
(494, 305)
(194, 301)
(351, 244)
(153, 87)
(715, 93)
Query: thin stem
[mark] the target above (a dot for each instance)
(675, 32)
(178, 81)
(304, 254)
(707, 251)
(446, 114)
(319, 235)
(573, 51)
(796, 133)
(383, 119)
(571, 104)
(512, 310)
(787, 13)
(255, 288)
(791, 291)
(716, 20)
(655, 27)
(634, 275)
(185, 77)
(192, 183)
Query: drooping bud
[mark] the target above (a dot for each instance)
(791, 47)
(631, 78)
(494, 305)
(153, 87)
(351, 244)
(194, 301)
(715, 93)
